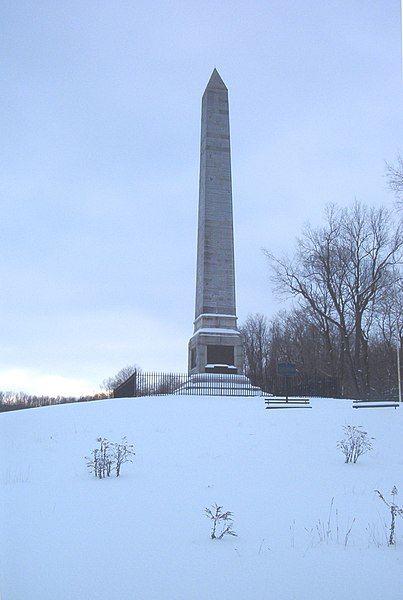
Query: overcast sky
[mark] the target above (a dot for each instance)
(99, 158)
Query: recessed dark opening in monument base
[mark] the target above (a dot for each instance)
(192, 358)
(220, 355)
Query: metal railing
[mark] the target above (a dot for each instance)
(200, 384)
(213, 384)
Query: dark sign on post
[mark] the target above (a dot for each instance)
(286, 369)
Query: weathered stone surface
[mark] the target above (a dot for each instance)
(215, 286)
(215, 312)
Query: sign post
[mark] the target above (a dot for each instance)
(286, 370)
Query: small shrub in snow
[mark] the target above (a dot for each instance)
(101, 460)
(355, 443)
(329, 531)
(122, 453)
(110, 456)
(221, 522)
(394, 511)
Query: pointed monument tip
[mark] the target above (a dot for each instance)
(215, 81)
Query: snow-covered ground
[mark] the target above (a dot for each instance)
(68, 536)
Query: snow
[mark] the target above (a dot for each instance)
(215, 315)
(69, 536)
(217, 331)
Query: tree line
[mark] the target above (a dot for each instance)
(347, 317)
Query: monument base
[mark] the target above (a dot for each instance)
(216, 384)
(216, 345)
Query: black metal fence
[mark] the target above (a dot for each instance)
(212, 384)
(201, 384)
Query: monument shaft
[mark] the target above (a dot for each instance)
(216, 344)
(215, 284)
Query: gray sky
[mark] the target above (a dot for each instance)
(99, 163)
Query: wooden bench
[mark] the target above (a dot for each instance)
(287, 403)
(374, 404)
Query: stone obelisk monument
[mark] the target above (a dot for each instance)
(216, 345)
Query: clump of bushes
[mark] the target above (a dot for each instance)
(109, 457)
(355, 443)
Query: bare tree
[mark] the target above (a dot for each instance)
(256, 341)
(389, 316)
(316, 277)
(394, 174)
(339, 272)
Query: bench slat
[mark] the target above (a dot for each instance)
(288, 406)
(375, 405)
(289, 401)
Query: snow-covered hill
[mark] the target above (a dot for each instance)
(144, 536)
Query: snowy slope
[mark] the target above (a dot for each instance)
(69, 536)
